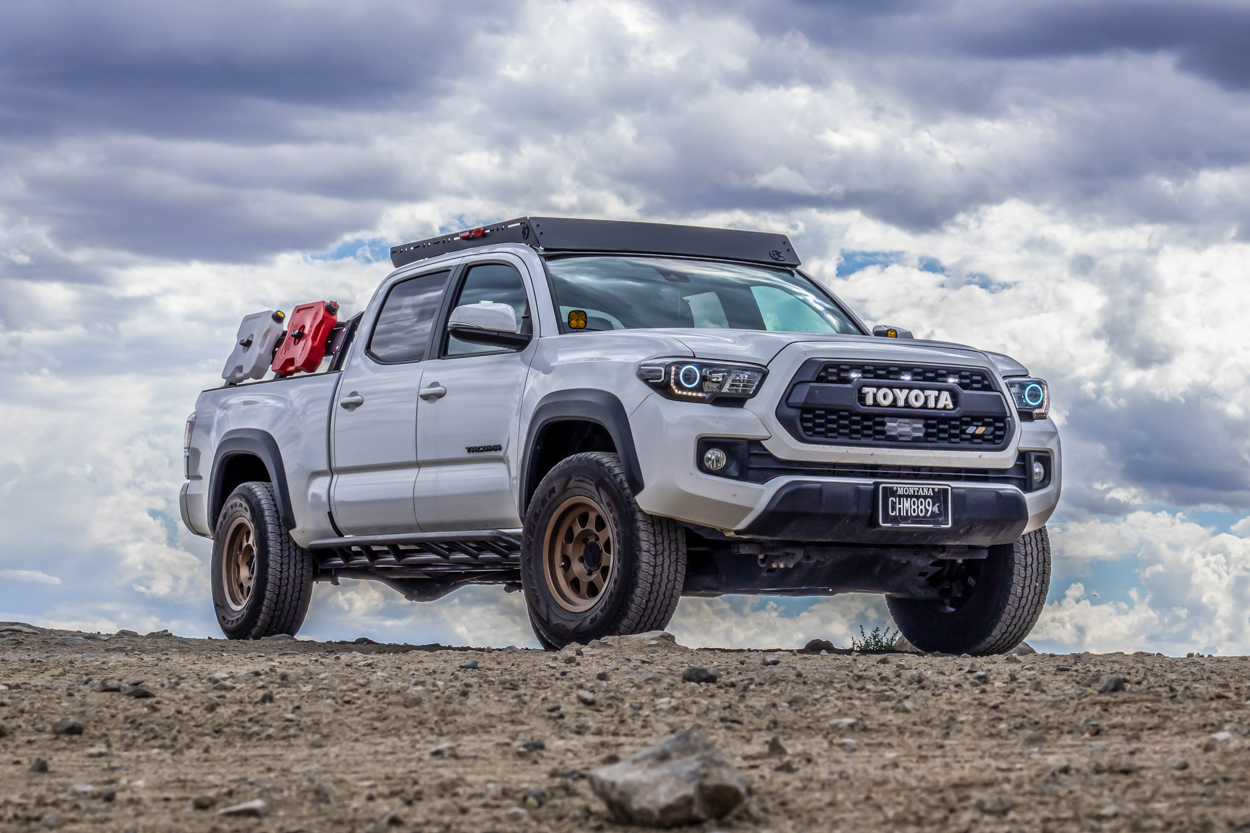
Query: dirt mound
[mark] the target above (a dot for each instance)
(285, 735)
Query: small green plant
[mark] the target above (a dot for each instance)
(876, 642)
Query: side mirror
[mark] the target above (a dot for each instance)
(487, 323)
(882, 331)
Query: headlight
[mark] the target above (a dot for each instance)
(1031, 395)
(691, 380)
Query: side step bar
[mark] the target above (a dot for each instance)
(423, 565)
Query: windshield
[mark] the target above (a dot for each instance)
(627, 293)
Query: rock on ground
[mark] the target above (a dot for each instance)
(254, 808)
(683, 779)
(67, 726)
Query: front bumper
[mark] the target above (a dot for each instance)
(803, 507)
(845, 512)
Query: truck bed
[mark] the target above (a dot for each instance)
(295, 412)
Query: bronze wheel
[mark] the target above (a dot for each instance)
(578, 554)
(239, 565)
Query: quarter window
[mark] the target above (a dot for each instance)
(402, 333)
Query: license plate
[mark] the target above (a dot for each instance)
(914, 505)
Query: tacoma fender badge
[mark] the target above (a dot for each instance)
(482, 449)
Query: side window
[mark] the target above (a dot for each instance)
(406, 321)
(495, 282)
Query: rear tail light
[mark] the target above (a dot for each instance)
(186, 447)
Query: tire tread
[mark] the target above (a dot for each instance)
(1026, 598)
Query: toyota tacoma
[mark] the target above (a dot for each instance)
(608, 416)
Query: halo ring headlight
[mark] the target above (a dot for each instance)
(696, 380)
(1031, 396)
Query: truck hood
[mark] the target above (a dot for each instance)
(1007, 366)
(762, 347)
(756, 346)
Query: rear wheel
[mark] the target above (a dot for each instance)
(261, 579)
(984, 606)
(592, 562)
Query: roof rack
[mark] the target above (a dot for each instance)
(555, 234)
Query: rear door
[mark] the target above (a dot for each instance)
(375, 415)
(468, 415)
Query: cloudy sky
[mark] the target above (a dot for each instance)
(1066, 182)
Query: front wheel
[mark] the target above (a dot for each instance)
(593, 563)
(985, 606)
(262, 580)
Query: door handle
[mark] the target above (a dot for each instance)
(352, 401)
(432, 392)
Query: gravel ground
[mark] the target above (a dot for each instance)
(361, 736)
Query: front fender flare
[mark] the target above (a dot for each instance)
(590, 405)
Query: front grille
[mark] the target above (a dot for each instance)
(840, 374)
(831, 425)
(763, 466)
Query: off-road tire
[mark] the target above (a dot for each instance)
(1003, 607)
(649, 567)
(282, 578)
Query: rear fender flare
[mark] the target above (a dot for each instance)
(255, 443)
(597, 406)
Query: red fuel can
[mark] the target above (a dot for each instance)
(304, 346)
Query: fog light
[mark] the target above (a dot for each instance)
(714, 459)
(1039, 472)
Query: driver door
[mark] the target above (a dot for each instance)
(468, 432)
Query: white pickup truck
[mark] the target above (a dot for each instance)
(611, 415)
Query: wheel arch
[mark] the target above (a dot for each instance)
(552, 435)
(246, 454)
